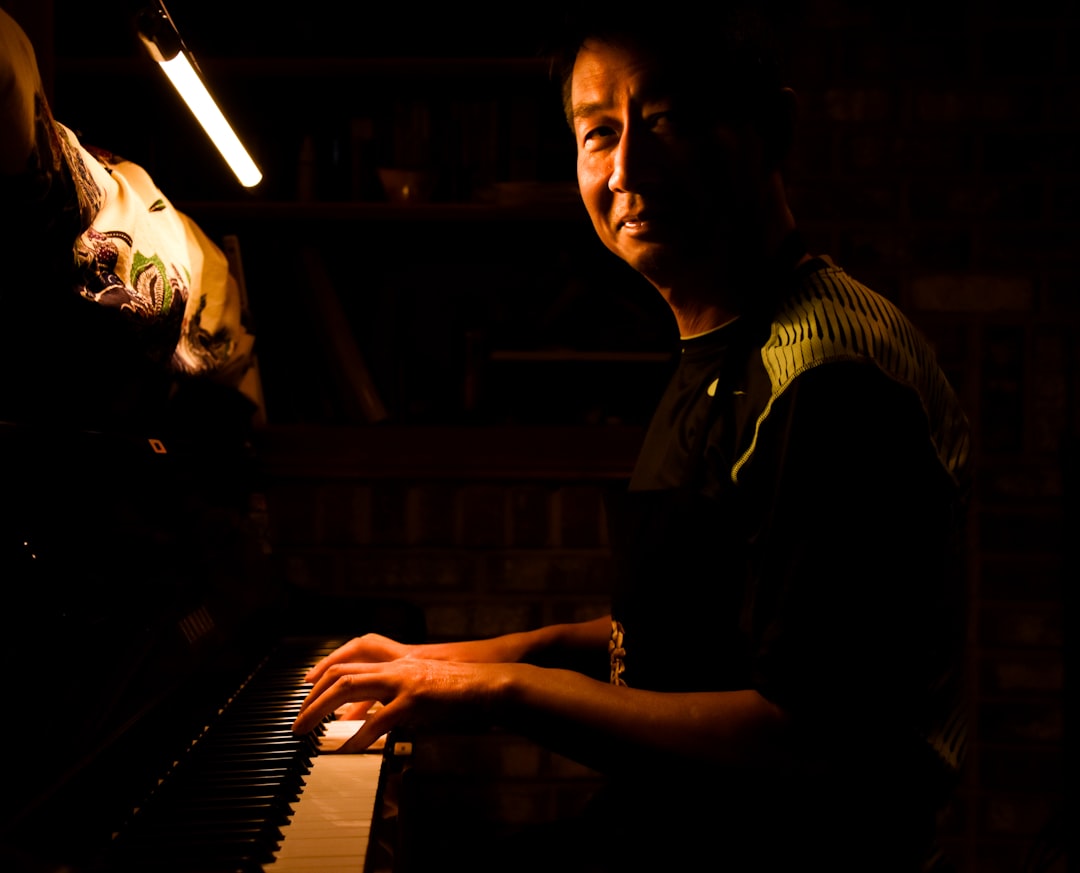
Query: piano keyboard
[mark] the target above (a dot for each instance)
(330, 825)
(229, 800)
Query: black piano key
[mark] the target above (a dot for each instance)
(223, 805)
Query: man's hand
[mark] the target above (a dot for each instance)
(455, 682)
(413, 691)
(370, 648)
(508, 648)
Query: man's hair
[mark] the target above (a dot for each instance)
(731, 63)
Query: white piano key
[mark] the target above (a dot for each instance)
(331, 822)
(339, 731)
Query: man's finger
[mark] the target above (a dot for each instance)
(341, 653)
(352, 683)
(377, 725)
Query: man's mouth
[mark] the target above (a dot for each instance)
(640, 224)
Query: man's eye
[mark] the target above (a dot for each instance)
(597, 136)
(660, 121)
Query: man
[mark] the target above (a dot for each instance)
(785, 631)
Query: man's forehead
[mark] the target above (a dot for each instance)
(603, 69)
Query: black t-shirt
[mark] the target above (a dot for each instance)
(799, 538)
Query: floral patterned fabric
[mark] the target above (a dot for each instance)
(156, 265)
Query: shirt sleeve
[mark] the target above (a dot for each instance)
(857, 590)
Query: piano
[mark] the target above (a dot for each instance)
(155, 668)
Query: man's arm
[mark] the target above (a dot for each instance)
(613, 728)
(601, 725)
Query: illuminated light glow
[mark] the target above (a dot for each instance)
(190, 86)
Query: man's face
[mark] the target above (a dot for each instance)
(666, 184)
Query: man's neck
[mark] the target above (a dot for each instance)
(714, 291)
(693, 320)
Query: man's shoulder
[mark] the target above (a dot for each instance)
(826, 303)
(829, 320)
(829, 316)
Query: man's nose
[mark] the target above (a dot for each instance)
(634, 162)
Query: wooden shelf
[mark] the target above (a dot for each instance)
(401, 68)
(579, 356)
(296, 210)
(381, 451)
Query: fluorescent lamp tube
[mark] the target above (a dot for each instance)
(190, 86)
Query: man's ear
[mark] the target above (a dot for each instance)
(777, 124)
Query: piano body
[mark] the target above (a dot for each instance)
(155, 666)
